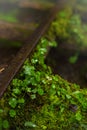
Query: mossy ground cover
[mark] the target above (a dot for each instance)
(39, 100)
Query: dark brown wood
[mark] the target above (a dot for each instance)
(10, 71)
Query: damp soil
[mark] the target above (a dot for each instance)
(58, 59)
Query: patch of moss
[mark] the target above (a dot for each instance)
(39, 100)
(68, 27)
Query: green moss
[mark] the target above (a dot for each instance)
(68, 27)
(37, 99)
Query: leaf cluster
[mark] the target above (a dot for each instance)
(37, 99)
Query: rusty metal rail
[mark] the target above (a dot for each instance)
(9, 73)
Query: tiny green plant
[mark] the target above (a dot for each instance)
(73, 59)
(4, 124)
(29, 124)
(12, 113)
(13, 102)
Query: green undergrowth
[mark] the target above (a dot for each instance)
(69, 28)
(39, 100)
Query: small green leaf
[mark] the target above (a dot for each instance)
(34, 60)
(53, 86)
(53, 43)
(55, 78)
(78, 116)
(29, 124)
(42, 50)
(5, 124)
(16, 91)
(12, 113)
(21, 100)
(76, 92)
(34, 90)
(59, 93)
(62, 109)
(13, 102)
(33, 96)
(29, 70)
(28, 90)
(68, 96)
(73, 59)
(44, 127)
(40, 91)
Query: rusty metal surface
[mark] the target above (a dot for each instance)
(30, 43)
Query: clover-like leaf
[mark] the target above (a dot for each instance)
(13, 102)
